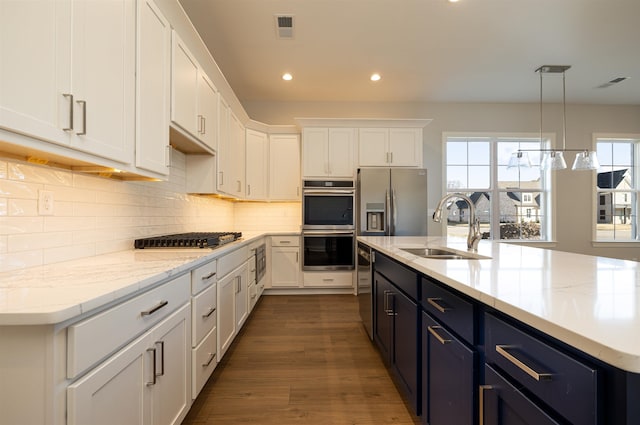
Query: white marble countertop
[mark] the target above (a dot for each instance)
(590, 303)
(58, 292)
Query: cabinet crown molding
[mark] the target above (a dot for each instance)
(362, 122)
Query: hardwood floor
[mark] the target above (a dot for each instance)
(301, 360)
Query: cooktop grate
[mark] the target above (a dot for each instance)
(188, 240)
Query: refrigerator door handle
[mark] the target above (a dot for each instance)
(394, 211)
(387, 213)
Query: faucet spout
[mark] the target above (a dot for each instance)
(474, 236)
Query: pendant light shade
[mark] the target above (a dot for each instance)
(586, 161)
(553, 160)
(519, 159)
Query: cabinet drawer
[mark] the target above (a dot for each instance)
(96, 337)
(328, 280)
(566, 383)
(232, 261)
(452, 310)
(204, 361)
(204, 276)
(203, 313)
(404, 278)
(285, 240)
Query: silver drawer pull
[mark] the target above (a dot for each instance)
(209, 276)
(209, 313)
(70, 97)
(83, 103)
(209, 360)
(154, 309)
(483, 388)
(432, 331)
(439, 307)
(155, 375)
(502, 350)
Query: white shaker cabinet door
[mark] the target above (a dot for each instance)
(257, 163)
(341, 141)
(116, 392)
(103, 78)
(226, 313)
(315, 152)
(207, 112)
(35, 68)
(152, 89)
(284, 167)
(405, 146)
(184, 87)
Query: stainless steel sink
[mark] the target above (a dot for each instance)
(443, 254)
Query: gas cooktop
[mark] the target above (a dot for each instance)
(188, 240)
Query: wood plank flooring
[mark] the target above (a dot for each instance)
(301, 360)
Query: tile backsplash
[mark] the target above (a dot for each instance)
(94, 215)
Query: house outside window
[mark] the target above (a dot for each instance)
(617, 189)
(511, 203)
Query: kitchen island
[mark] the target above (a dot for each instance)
(582, 307)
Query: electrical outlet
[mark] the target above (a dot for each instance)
(45, 202)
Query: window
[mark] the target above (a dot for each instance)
(617, 189)
(511, 203)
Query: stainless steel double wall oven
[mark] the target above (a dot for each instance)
(328, 225)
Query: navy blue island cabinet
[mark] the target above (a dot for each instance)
(396, 326)
(458, 361)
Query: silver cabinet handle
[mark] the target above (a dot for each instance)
(209, 276)
(503, 351)
(432, 331)
(209, 360)
(483, 388)
(439, 307)
(161, 358)
(167, 156)
(391, 155)
(248, 189)
(285, 242)
(297, 259)
(154, 308)
(70, 97)
(84, 117)
(221, 178)
(153, 382)
(209, 313)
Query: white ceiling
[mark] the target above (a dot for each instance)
(425, 50)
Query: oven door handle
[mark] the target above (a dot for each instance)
(327, 233)
(328, 192)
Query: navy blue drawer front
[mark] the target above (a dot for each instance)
(404, 278)
(451, 309)
(503, 404)
(565, 383)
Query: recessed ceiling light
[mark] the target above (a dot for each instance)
(453, 1)
(375, 77)
(287, 77)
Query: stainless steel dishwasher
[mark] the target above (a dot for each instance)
(365, 287)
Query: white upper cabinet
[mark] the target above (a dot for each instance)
(184, 87)
(207, 112)
(231, 153)
(257, 151)
(284, 167)
(67, 74)
(194, 98)
(391, 147)
(328, 152)
(153, 89)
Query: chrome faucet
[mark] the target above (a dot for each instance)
(474, 236)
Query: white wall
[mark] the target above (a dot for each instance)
(94, 215)
(574, 190)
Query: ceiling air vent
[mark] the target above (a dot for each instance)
(284, 26)
(612, 82)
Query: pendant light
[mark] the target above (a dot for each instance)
(554, 158)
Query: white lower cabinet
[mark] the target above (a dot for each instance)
(329, 279)
(147, 382)
(285, 261)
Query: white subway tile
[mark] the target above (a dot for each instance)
(13, 225)
(30, 241)
(22, 207)
(19, 189)
(21, 260)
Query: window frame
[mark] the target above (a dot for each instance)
(596, 207)
(548, 183)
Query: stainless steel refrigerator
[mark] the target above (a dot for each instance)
(392, 202)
